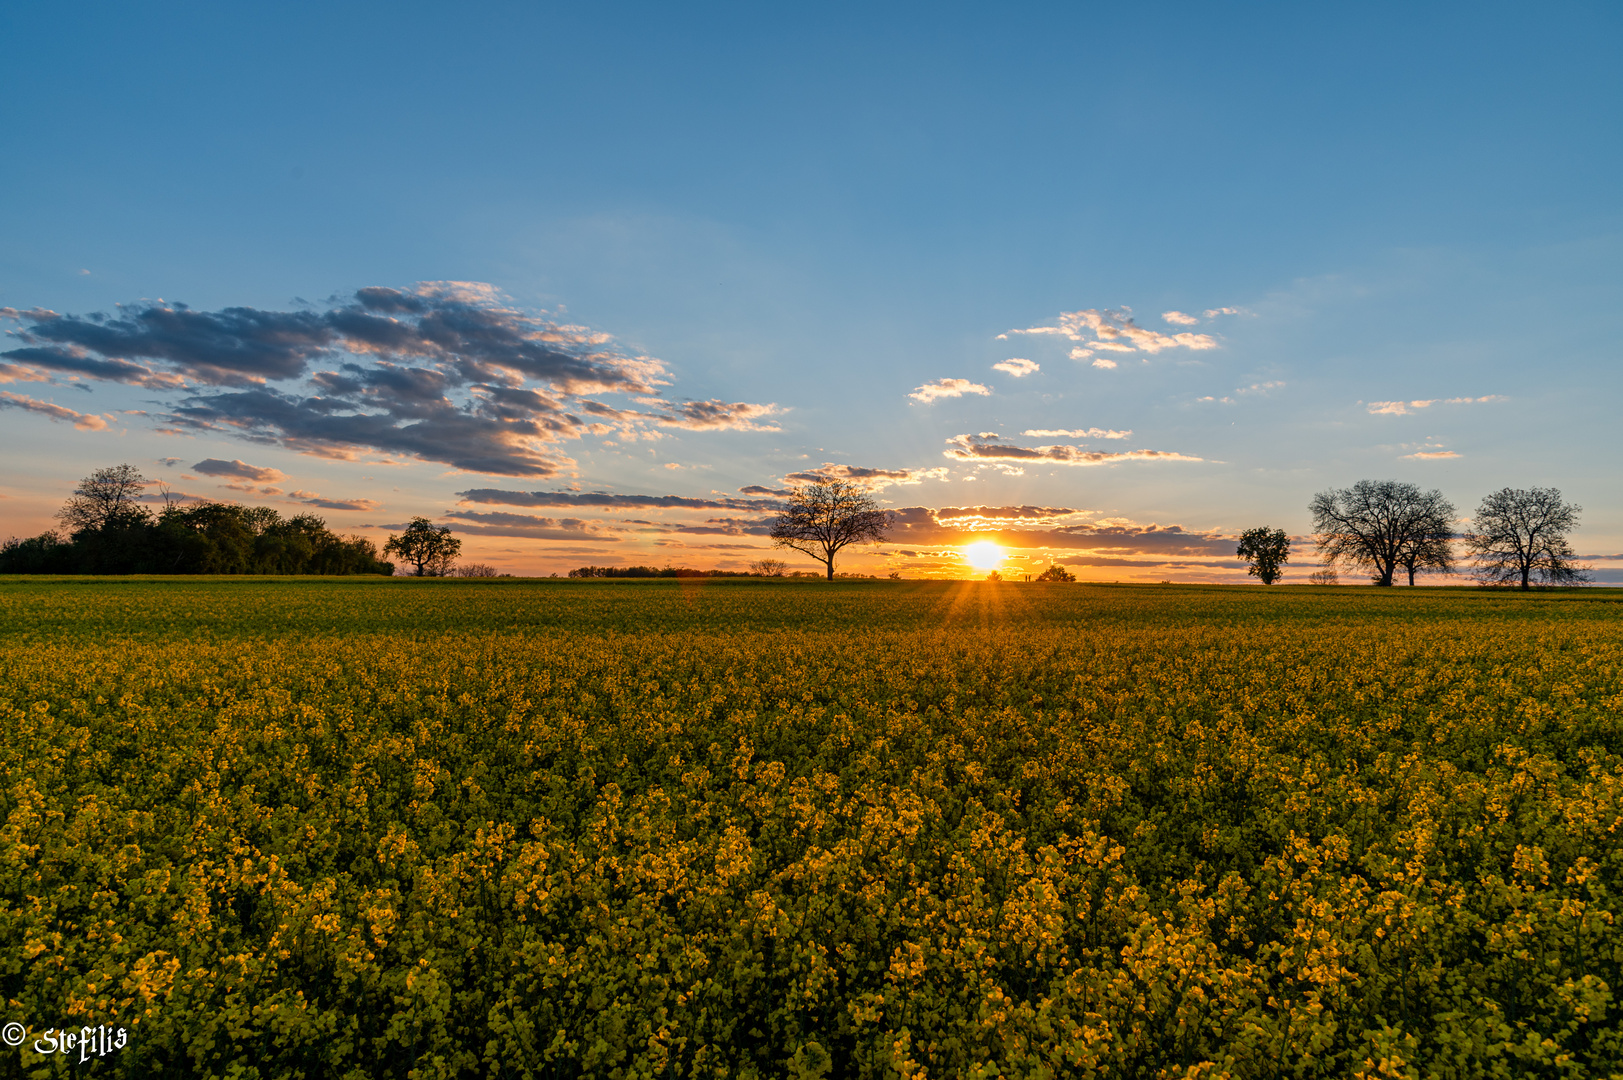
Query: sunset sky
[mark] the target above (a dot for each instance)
(600, 283)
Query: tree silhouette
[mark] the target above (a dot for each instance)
(1267, 550)
(1518, 535)
(1375, 524)
(104, 497)
(429, 547)
(824, 516)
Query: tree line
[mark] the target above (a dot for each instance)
(106, 530)
(1517, 537)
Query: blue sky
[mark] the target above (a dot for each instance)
(754, 237)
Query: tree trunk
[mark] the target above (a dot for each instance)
(830, 562)
(1526, 573)
(1411, 577)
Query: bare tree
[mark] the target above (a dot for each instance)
(1519, 535)
(1375, 524)
(104, 496)
(429, 547)
(1430, 552)
(824, 516)
(476, 569)
(769, 567)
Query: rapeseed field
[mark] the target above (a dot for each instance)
(322, 828)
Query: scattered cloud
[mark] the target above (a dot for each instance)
(1403, 408)
(448, 372)
(1212, 313)
(1015, 366)
(986, 448)
(713, 415)
(310, 498)
(238, 470)
(1117, 331)
(948, 388)
(757, 489)
(1075, 433)
(1178, 318)
(10, 373)
(82, 421)
(1102, 362)
(1428, 455)
(874, 479)
(1254, 388)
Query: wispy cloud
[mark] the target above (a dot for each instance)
(948, 388)
(1255, 388)
(1105, 328)
(1403, 408)
(713, 415)
(1212, 313)
(874, 479)
(1075, 433)
(1016, 366)
(1178, 318)
(1428, 455)
(987, 448)
(238, 470)
(82, 421)
(603, 501)
(310, 498)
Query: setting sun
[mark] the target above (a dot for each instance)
(984, 555)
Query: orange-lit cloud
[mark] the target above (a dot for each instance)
(1016, 366)
(1178, 318)
(948, 388)
(82, 421)
(1116, 330)
(1076, 433)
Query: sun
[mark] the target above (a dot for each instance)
(984, 555)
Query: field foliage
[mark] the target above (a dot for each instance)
(717, 828)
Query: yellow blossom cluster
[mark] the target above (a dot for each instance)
(762, 829)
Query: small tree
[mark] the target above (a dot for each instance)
(429, 547)
(104, 497)
(824, 516)
(1267, 550)
(1325, 576)
(1374, 524)
(1521, 535)
(768, 567)
(477, 569)
(1056, 572)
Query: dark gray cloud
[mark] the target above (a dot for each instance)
(597, 500)
(447, 372)
(332, 427)
(496, 523)
(79, 362)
